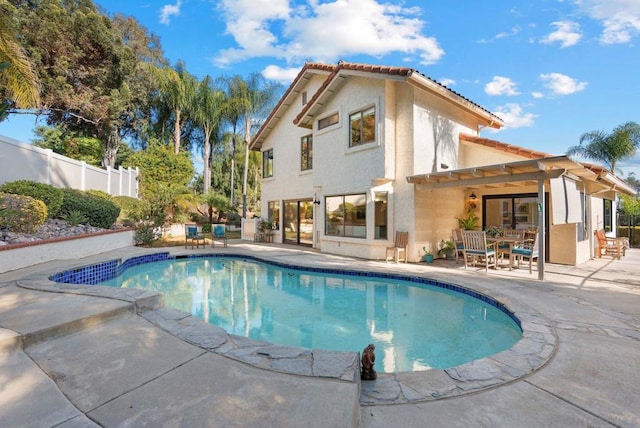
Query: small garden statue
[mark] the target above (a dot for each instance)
(368, 360)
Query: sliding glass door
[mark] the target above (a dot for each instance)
(298, 222)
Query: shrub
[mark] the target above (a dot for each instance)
(130, 209)
(98, 211)
(22, 214)
(51, 196)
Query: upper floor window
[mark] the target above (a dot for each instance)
(304, 98)
(328, 121)
(363, 127)
(306, 152)
(267, 163)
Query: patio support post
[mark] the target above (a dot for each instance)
(541, 226)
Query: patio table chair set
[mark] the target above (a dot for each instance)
(478, 248)
(194, 235)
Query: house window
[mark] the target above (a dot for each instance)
(608, 215)
(273, 213)
(304, 98)
(380, 214)
(328, 121)
(267, 163)
(346, 216)
(363, 127)
(306, 153)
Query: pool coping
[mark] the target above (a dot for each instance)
(532, 352)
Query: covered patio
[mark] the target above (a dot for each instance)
(558, 176)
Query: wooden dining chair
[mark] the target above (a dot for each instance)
(399, 250)
(476, 248)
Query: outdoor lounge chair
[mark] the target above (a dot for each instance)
(194, 235)
(476, 249)
(399, 248)
(219, 232)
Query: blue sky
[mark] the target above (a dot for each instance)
(552, 69)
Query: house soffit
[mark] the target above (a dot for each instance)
(299, 84)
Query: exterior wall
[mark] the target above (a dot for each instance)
(22, 161)
(475, 155)
(63, 249)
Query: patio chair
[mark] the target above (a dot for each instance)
(399, 248)
(194, 234)
(456, 237)
(219, 232)
(527, 250)
(506, 247)
(608, 246)
(476, 248)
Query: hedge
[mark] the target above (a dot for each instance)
(51, 196)
(99, 212)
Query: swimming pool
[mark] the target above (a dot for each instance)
(415, 325)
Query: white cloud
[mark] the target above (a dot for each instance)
(562, 84)
(567, 34)
(537, 94)
(324, 31)
(514, 117)
(620, 18)
(505, 34)
(447, 82)
(279, 74)
(168, 10)
(501, 86)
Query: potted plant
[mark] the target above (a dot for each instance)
(447, 248)
(493, 231)
(469, 222)
(428, 257)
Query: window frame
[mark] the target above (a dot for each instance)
(363, 123)
(267, 163)
(329, 121)
(355, 220)
(306, 154)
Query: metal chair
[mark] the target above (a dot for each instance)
(219, 232)
(194, 234)
(399, 247)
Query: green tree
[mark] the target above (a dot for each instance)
(177, 89)
(19, 84)
(162, 171)
(207, 112)
(69, 143)
(620, 144)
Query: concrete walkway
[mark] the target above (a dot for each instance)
(71, 357)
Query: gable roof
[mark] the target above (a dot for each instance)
(409, 75)
(336, 76)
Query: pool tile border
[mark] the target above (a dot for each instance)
(533, 351)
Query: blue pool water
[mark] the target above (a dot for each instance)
(414, 326)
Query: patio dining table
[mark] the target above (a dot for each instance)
(510, 240)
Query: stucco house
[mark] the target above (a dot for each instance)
(354, 152)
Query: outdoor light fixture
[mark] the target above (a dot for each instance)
(472, 196)
(316, 202)
(5, 233)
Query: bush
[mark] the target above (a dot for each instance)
(130, 209)
(98, 211)
(22, 214)
(51, 196)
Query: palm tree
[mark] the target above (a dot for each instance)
(17, 74)
(621, 144)
(249, 100)
(207, 112)
(178, 89)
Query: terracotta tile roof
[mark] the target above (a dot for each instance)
(379, 69)
(509, 148)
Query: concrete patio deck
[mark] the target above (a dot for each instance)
(71, 359)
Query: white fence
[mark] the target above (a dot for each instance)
(21, 161)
